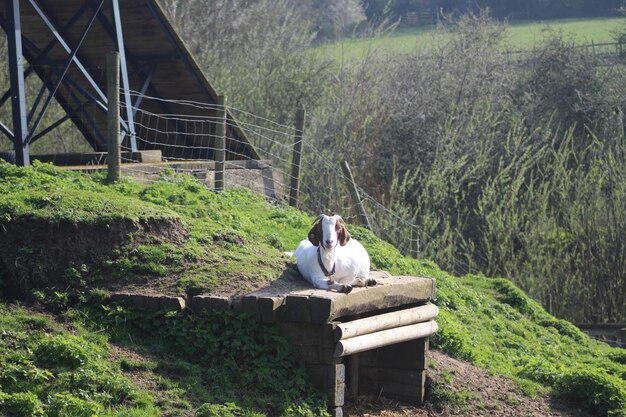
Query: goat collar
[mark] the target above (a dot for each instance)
(324, 270)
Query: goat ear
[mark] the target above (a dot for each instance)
(315, 234)
(343, 235)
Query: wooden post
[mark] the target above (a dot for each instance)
(113, 117)
(294, 188)
(415, 241)
(354, 192)
(220, 143)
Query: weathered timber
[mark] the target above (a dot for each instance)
(298, 308)
(403, 384)
(210, 302)
(386, 321)
(331, 379)
(390, 292)
(149, 302)
(93, 159)
(220, 143)
(294, 188)
(268, 307)
(301, 303)
(385, 338)
(114, 157)
(405, 355)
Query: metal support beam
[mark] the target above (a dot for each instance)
(42, 90)
(6, 131)
(124, 71)
(67, 48)
(16, 74)
(98, 139)
(49, 128)
(144, 88)
(71, 59)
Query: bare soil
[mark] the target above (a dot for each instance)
(486, 395)
(35, 251)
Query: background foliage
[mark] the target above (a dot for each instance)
(508, 164)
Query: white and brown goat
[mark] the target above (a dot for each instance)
(330, 259)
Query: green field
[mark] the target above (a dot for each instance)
(518, 36)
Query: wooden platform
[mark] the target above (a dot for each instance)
(296, 301)
(371, 341)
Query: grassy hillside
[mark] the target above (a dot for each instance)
(223, 364)
(522, 35)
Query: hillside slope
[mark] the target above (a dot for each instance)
(175, 236)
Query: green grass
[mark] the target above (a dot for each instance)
(42, 192)
(226, 232)
(486, 321)
(47, 371)
(521, 35)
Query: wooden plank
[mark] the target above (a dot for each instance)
(385, 338)
(210, 302)
(390, 292)
(329, 379)
(250, 304)
(405, 355)
(405, 385)
(386, 321)
(268, 307)
(298, 308)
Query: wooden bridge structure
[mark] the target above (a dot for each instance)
(65, 44)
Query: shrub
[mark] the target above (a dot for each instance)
(21, 404)
(599, 391)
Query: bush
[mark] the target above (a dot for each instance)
(599, 391)
(21, 404)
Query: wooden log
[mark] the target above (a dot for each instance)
(386, 321)
(384, 338)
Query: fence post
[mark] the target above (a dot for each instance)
(113, 117)
(220, 143)
(294, 187)
(354, 192)
(415, 241)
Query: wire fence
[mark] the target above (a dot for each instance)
(185, 133)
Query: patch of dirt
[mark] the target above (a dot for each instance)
(486, 395)
(37, 251)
